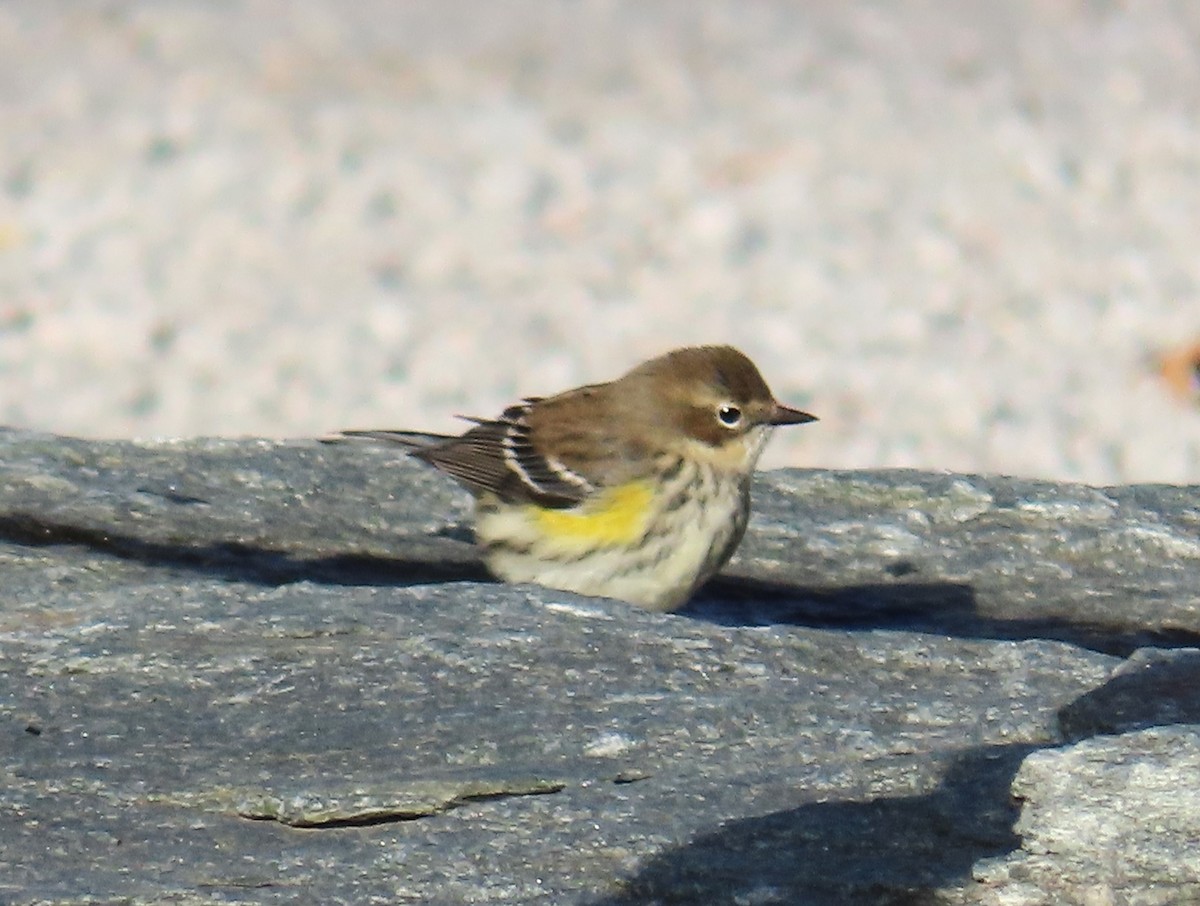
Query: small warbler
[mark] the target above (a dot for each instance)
(638, 489)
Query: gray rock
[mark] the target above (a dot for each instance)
(1110, 568)
(251, 672)
(1110, 820)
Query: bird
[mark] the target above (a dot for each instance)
(636, 489)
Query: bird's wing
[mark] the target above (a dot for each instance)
(496, 456)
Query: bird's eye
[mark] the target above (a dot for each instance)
(730, 416)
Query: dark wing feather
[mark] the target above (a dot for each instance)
(496, 456)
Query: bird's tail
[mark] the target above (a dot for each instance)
(412, 441)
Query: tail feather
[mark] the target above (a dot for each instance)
(412, 441)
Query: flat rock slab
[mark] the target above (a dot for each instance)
(250, 672)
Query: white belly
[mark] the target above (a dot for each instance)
(683, 545)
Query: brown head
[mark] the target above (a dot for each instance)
(708, 402)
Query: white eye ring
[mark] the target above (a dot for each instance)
(729, 415)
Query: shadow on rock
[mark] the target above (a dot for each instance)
(1154, 688)
(942, 608)
(892, 851)
(239, 562)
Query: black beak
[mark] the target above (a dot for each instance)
(786, 415)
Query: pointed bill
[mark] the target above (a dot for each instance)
(786, 415)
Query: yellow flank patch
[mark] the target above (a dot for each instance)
(614, 517)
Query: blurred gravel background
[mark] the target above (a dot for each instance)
(958, 231)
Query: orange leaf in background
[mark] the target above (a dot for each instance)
(1180, 368)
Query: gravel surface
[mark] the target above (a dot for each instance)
(959, 232)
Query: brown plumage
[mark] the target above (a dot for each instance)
(638, 488)
(556, 450)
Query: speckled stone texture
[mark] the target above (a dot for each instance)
(257, 672)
